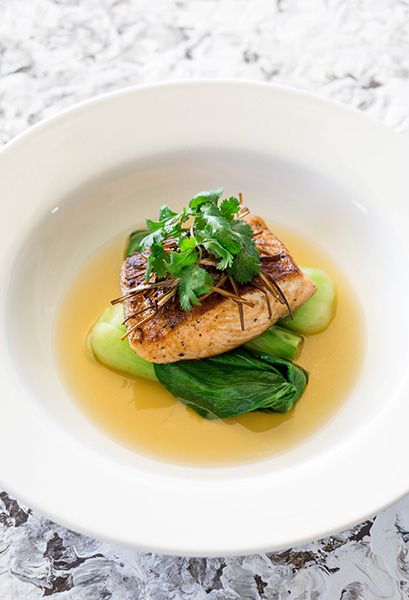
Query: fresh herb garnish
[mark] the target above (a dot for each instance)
(206, 248)
(179, 244)
(194, 282)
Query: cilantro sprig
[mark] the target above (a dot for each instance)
(209, 228)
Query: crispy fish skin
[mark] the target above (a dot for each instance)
(214, 327)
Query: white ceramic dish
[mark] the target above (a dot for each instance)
(75, 181)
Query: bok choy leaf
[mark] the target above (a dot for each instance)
(234, 383)
(134, 242)
(218, 387)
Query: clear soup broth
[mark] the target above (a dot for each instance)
(145, 417)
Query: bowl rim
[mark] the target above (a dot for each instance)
(52, 119)
(166, 543)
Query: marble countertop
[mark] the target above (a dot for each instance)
(54, 53)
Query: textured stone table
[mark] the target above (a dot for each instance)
(54, 53)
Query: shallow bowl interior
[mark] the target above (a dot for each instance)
(75, 184)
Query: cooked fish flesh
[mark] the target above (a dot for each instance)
(173, 334)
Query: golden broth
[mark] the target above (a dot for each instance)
(144, 416)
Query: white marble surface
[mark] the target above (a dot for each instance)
(54, 53)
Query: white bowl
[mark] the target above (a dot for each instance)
(76, 180)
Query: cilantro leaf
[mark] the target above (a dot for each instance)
(229, 208)
(212, 230)
(156, 237)
(157, 262)
(187, 256)
(242, 228)
(217, 226)
(171, 225)
(194, 282)
(216, 249)
(245, 265)
(153, 225)
(166, 213)
(208, 197)
(187, 244)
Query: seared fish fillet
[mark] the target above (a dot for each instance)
(214, 327)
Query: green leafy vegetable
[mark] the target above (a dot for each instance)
(212, 222)
(155, 237)
(317, 313)
(208, 197)
(217, 250)
(234, 383)
(277, 341)
(170, 225)
(157, 262)
(108, 347)
(186, 256)
(166, 213)
(245, 265)
(204, 230)
(229, 208)
(153, 225)
(134, 242)
(194, 281)
(222, 386)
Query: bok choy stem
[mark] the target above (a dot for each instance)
(277, 341)
(221, 386)
(108, 348)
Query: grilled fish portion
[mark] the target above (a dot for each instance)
(173, 334)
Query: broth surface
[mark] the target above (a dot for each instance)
(145, 417)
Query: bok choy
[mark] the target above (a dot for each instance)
(278, 341)
(221, 386)
(317, 313)
(108, 348)
(234, 383)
